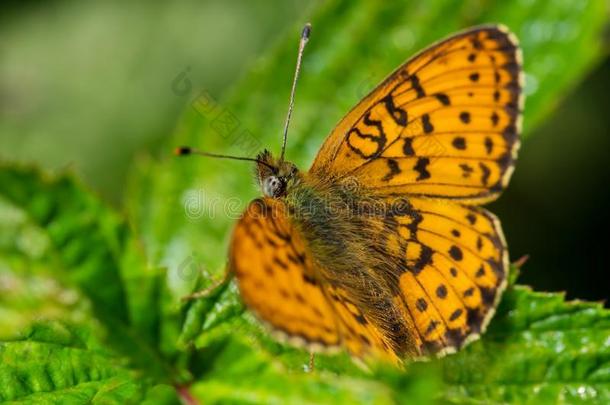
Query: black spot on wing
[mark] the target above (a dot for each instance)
(360, 319)
(296, 258)
(465, 117)
(421, 304)
(407, 147)
(398, 114)
(485, 173)
(443, 98)
(494, 118)
(431, 326)
(271, 242)
(441, 291)
(421, 167)
(280, 263)
(466, 170)
(417, 86)
(309, 280)
(471, 218)
(394, 170)
(455, 315)
(488, 145)
(428, 127)
(459, 143)
(456, 253)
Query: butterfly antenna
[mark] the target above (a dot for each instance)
(185, 151)
(302, 43)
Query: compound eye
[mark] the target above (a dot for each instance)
(273, 186)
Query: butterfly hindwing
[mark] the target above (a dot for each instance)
(278, 280)
(445, 124)
(451, 263)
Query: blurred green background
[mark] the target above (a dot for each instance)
(89, 86)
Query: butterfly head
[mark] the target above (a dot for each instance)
(274, 176)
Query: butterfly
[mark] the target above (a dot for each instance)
(381, 248)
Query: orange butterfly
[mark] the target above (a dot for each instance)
(381, 248)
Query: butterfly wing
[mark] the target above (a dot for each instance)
(279, 281)
(448, 266)
(445, 124)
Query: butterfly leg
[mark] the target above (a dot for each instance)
(312, 357)
(211, 289)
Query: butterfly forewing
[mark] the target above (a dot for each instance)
(445, 124)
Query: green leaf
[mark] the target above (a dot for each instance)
(84, 245)
(56, 362)
(236, 373)
(59, 353)
(85, 238)
(53, 363)
(539, 349)
(89, 243)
